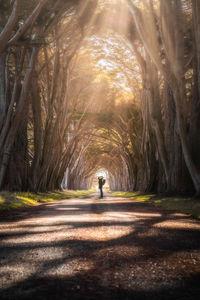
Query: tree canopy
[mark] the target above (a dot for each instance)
(91, 85)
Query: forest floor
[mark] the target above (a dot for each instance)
(89, 248)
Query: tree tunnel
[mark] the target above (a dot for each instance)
(100, 85)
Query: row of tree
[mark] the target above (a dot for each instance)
(86, 85)
(38, 40)
(154, 145)
(166, 40)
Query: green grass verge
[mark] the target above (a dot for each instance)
(189, 206)
(10, 200)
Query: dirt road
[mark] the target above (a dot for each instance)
(89, 248)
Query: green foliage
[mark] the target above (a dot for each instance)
(10, 200)
(184, 205)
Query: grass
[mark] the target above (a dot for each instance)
(10, 200)
(186, 205)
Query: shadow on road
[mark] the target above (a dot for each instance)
(100, 249)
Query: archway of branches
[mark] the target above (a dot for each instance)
(90, 85)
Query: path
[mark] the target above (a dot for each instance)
(88, 248)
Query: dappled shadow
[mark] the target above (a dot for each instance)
(101, 249)
(81, 287)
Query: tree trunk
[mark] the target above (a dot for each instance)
(6, 149)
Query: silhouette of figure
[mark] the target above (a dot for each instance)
(101, 183)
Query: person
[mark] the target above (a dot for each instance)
(101, 183)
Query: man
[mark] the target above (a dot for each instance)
(101, 183)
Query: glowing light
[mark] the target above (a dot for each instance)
(102, 172)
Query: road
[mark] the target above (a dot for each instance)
(87, 248)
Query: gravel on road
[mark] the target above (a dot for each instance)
(89, 248)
